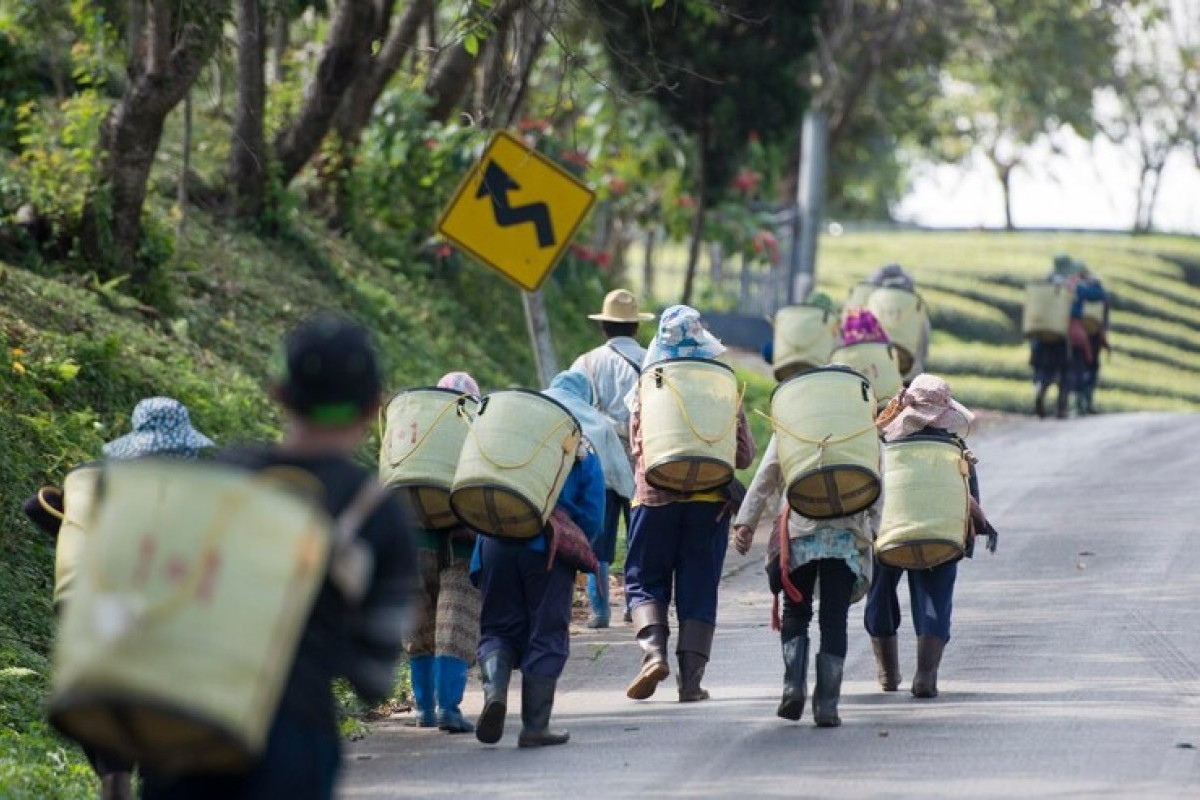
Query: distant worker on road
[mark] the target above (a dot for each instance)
(1052, 359)
(613, 369)
(1089, 335)
(894, 276)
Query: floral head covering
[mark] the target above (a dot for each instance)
(680, 335)
(926, 403)
(161, 426)
(861, 326)
(459, 382)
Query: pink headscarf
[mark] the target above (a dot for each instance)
(459, 382)
(926, 403)
(862, 326)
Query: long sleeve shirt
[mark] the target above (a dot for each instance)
(613, 370)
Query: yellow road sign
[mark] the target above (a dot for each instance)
(516, 211)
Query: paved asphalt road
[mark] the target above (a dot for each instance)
(1074, 670)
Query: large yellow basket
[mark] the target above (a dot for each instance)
(902, 314)
(689, 414)
(79, 500)
(877, 362)
(420, 445)
(926, 503)
(824, 424)
(1047, 311)
(192, 592)
(520, 448)
(805, 335)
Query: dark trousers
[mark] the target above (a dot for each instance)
(300, 763)
(837, 585)
(615, 506)
(677, 549)
(526, 608)
(930, 591)
(1051, 362)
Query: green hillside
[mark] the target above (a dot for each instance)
(973, 285)
(77, 356)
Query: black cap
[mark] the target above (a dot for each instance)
(330, 374)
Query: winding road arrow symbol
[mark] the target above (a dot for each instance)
(497, 184)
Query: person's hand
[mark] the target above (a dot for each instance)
(743, 537)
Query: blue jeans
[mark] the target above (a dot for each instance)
(526, 608)
(677, 549)
(300, 763)
(931, 595)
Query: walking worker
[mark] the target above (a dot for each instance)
(925, 408)
(677, 541)
(442, 646)
(162, 427)
(1088, 335)
(573, 390)
(832, 554)
(613, 369)
(1052, 360)
(526, 616)
(329, 392)
(895, 276)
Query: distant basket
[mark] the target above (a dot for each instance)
(1047, 311)
(805, 335)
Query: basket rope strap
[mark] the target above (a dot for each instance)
(45, 504)
(428, 431)
(822, 444)
(569, 444)
(687, 418)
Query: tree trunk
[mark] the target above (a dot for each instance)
(181, 196)
(279, 36)
(702, 148)
(110, 228)
(1005, 174)
(453, 72)
(347, 50)
(530, 39)
(1140, 211)
(248, 146)
(648, 264)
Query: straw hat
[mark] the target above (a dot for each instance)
(620, 306)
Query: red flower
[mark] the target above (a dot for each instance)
(747, 181)
(443, 251)
(603, 260)
(618, 186)
(537, 125)
(583, 252)
(765, 241)
(575, 158)
(431, 143)
(685, 201)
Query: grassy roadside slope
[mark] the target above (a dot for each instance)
(75, 358)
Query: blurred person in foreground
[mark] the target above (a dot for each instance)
(329, 392)
(162, 427)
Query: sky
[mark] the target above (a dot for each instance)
(1091, 185)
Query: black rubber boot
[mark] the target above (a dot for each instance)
(1064, 400)
(1039, 401)
(496, 669)
(929, 658)
(695, 645)
(795, 678)
(887, 662)
(537, 701)
(650, 620)
(828, 690)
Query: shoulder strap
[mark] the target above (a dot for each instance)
(351, 562)
(636, 366)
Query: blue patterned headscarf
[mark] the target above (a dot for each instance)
(574, 391)
(680, 335)
(161, 427)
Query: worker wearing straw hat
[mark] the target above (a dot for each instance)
(612, 369)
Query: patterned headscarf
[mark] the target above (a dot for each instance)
(161, 426)
(680, 335)
(926, 403)
(860, 326)
(460, 382)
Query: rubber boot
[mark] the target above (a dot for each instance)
(795, 677)
(929, 657)
(451, 683)
(887, 662)
(1081, 403)
(828, 690)
(537, 701)
(695, 644)
(496, 669)
(1064, 399)
(597, 592)
(1039, 401)
(116, 786)
(650, 620)
(424, 687)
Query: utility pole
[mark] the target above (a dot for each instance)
(810, 202)
(539, 335)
